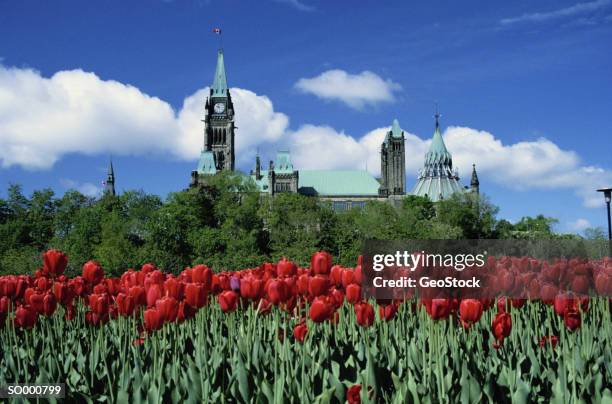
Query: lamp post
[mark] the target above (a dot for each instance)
(608, 196)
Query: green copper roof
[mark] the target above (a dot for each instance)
(283, 164)
(396, 131)
(206, 165)
(262, 183)
(438, 154)
(437, 188)
(219, 87)
(437, 180)
(337, 183)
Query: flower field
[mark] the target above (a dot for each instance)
(279, 333)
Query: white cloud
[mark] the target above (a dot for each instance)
(256, 122)
(42, 119)
(86, 188)
(576, 9)
(579, 225)
(355, 90)
(522, 166)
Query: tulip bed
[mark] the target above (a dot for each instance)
(279, 333)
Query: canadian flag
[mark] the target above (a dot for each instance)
(216, 31)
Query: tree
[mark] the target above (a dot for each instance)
(295, 224)
(472, 213)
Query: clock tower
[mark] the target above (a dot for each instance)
(219, 120)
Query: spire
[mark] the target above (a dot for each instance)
(257, 166)
(438, 154)
(474, 183)
(437, 179)
(219, 87)
(109, 184)
(396, 131)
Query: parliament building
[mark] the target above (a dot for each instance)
(343, 188)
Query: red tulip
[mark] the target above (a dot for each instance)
(318, 285)
(25, 317)
(353, 394)
(8, 285)
(49, 304)
(77, 284)
(154, 293)
(251, 288)
(100, 289)
(437, 308)
(34, 299)
(299, 331)
(174, 288)
(139, 295)
(277, 291)
(337, 298)
(5, 304)
(572, 320)
(321, 263)
(54, 263)
(63, 293)
(185, 311)
(365, 314)
(126, 304)
(501, 326)
(320, 310)
(152, 320)
(387, 312)
(603, 283)
(167, 308)
(99, 304)
(195, 295)
(203, 275)
(470, 311)
(353, 293)
(92, 272)
(228, 301)
(348, 277)
(336, 274)
(43, 284)
(286, 268)
(302, 284)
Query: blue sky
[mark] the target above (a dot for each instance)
(524, 87)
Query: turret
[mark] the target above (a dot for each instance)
(257, 168)
(109, 184)
(474, 183)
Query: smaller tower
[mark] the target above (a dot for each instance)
(474, 183)
(109, 184)
(393, 162)
(257, 168)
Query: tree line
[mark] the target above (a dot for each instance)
(228, 225)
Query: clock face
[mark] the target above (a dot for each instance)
(219, 107)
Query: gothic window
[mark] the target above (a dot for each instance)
(224, 135)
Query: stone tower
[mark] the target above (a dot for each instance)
(219, 120)
(393, 162)
(109, 184)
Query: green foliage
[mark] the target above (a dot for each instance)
(248, 357)
(228, 224)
